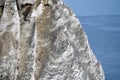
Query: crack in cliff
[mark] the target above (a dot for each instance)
(1, 7)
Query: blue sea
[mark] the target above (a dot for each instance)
(104, 37)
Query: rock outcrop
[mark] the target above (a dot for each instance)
(43, 40)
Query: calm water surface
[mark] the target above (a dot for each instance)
(104, 37)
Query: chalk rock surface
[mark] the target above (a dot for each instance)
(43, 40)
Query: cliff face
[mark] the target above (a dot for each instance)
(43, 40)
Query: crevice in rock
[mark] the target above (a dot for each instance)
(46, 4)
(1, 11)
(1, 7)
(25, 10)
(17, 3)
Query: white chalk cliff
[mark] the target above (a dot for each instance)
(43, 40)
